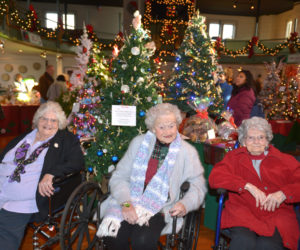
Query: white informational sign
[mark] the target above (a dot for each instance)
(122, 115)
(211, 134)
(294, 58)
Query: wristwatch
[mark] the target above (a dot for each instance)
(126, 204)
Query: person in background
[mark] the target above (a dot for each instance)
(258, 84)
(263, 185)
(242, 97)
(27, 167)
(44, 83)
(225, 87)
(146, 184)
(57, 88)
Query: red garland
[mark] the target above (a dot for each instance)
(33, 22)
(170, 29)
(31, 8)
(218, 45)
(253, 43)
(291, 42)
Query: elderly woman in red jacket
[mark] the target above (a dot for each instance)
(263, 185)
(242, 96)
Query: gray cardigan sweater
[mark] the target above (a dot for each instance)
(187, 168)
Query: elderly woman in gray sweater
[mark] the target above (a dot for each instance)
(146, 184)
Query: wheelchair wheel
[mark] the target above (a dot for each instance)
(80, 217)
(190, 231)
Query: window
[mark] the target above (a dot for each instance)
(70, 21)
(214, 29)
(52, 21)
(228, 30)
(224, 30)
(288, 30)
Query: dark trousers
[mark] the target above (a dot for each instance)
(12, 227)
(243, 238)
(141, 237)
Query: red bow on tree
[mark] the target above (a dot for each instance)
(89, 28)
(253, 43)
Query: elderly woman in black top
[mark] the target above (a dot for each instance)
(28, 165)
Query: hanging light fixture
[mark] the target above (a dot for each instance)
(251, 5)
(234, 4)
(2, 46)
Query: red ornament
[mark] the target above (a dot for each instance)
(84, 50)
(78, 75)
(156, 60)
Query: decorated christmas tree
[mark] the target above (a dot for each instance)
(287, 105)
(195, 63)
(124, 104)
(268, 96)
(83, 79)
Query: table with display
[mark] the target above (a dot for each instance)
(15, 120)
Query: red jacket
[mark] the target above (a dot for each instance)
(241, 104)
(278, 171)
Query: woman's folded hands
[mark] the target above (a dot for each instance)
(266, 202)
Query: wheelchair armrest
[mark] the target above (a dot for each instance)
(222, 191)
(59, 179)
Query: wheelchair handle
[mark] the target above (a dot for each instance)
(185, 187)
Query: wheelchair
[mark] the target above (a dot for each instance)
(222, 238)
(73, 224)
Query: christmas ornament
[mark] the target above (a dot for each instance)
(90, 169)
(142, 113)
(135, 51)
(124, 66)
(114, 158)
(125, 88)
(140, 80)
(99, 152)
(104, 150)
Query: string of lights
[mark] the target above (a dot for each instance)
(221, 49)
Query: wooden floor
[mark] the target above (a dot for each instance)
(206, 238)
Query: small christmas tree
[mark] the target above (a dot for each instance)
(85, 120)
(132, 86)
(88, 98)
(267, 95)
(83, 56)
(287, 106)
(195, 63)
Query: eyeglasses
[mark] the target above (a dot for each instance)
(44, 119)
(256, 138)
(166, 126)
